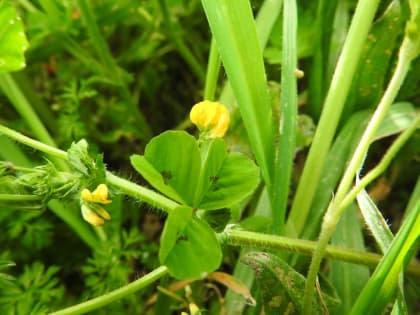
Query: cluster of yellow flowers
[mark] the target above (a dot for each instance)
(211, 118)
(91, 202)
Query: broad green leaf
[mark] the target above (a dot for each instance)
(154, 177)
(13, 42)
(237, 178)
(189, 247)
(173, 230)
(282, 287)
(175, 155)
(347, 278)
(204, 177)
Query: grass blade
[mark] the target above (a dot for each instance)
(381, 286)
(347, 278)
(288, 101)
(331, 113)
(233, 28)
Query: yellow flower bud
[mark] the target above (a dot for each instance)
(210, 117)
(91, 211)
(91, 217)
(99, 195)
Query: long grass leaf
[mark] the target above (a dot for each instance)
(347, 278)
(233, 28)
(288, 103)
(381, 286)
(331, 113)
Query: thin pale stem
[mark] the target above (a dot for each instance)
(115, 295)
(382, 165)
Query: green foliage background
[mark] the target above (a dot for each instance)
(136, 74)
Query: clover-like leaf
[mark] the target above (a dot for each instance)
(13, 42)
(205, 177)
(236, 179)
(171, 164)
(189, 247)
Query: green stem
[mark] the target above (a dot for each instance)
(115, 295)
(141, 193)
(179, 43)
(333, 107)
(336, 209)
(213, 70)
(50, 150)
(267, 241)
(383, 164)
(288, 100)
(124, 185)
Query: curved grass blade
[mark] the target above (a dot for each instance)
(381, 286)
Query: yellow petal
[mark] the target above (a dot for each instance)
(103, 213)
(210, 116)
(100, 194)
(86, 195)
(91, 217)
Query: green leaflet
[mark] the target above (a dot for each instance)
(13, 42)
(204, 177)
(189, 247)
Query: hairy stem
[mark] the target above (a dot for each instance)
(267, 241)
(122, 184)
(115, 295)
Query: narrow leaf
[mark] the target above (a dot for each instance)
(233, 28)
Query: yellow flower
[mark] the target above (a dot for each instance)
(92, 212)
(99, 195)
(93, 217)
(211, 118)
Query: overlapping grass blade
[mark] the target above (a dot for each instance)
(288, 102)
(331, 113)
(347, 278)
(233, 28)
(381, 286)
